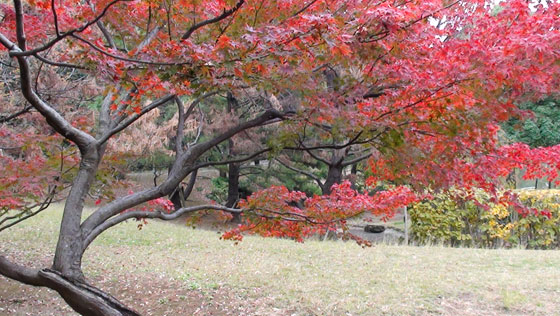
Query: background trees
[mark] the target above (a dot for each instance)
(423, 83)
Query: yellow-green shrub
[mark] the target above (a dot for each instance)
(461, 222)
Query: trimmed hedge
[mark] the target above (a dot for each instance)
(448, 219)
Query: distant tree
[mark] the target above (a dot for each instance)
(540, 128)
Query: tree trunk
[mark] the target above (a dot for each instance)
(233, 189)
(233, 168)
(83, 298)
(180, 195)
(334, 176)
(70, 248)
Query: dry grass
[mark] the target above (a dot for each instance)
(174, 270)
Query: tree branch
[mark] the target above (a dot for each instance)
(151, 214)
(56, 63)
(55, 120)
(19, 273)
(306, 173)
(131, 60)
(18, 113)
(218, 18)
(316, 157)
(181, 168)
(227, 162)
(131, 119)
(355, 160)
(102, 28)
(190, 186)
(180, 126)
(307, 6)
(51, 43)
(42, 206)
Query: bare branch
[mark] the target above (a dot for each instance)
(216, 19)
(197, 102)
(238, 160)
(304, 172)
(307, 6)
(133, 118)
(149, 38)
(102, 28)
(43, 206)
(151, 214)
(55, 18)
(56, 63)
(183, 166)
(15, 115)
(19, 273)
(316, 157)
(355, 160)
(190, 186)
(20, 30)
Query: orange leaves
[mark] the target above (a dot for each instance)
(223, 42)
(341, 49)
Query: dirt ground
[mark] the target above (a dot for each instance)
(164, 297)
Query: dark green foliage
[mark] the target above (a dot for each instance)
(219, 190)
(542, 129)
(276, 174)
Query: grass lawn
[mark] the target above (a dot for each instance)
(169, 269)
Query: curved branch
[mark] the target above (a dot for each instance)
(19, 273)
(54, 119)
(305, 173)
(148, 214)
(218, 18)
(58, 38)
(316, 157)
(103, 29)
(56, 63)
(197, 101)
(227, 162)
(41, 207)
(15, 115)
(355, 160)
(181, 168)
(264, 119)
(190, 186)
(135, 117)
(131, 60)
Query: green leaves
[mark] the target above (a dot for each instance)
(540, 127)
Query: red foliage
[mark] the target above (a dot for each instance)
(278, 212)
(444, 75)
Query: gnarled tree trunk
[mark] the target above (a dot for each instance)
(82, 297)
(334, 176)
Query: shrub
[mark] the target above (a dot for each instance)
(454, 220)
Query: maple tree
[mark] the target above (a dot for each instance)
(424, 83)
